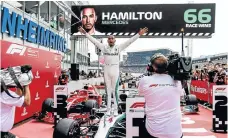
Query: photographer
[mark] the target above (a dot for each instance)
(8, 106)
(162, 101)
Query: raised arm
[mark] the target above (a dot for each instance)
(92, 39)
(132, 39)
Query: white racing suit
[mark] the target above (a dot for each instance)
(111, 69)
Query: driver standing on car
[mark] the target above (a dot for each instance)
(162, 101)
(111, 69)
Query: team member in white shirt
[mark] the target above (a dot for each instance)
(8, 105)
(162, 101)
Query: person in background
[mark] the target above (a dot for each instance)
(63, 78)
(220, 76)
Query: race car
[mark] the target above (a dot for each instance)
(79, 105)
(109, 126)
(101, 126)
(105, 127)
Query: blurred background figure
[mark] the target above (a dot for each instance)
(63, 78)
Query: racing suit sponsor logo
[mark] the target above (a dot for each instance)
(111, 54)
(198, 89)
(14, 48)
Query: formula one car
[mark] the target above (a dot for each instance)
(79, 105)
(105, 127)
(100, 126)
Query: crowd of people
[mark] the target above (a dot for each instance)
(213, 73)
(65, 76)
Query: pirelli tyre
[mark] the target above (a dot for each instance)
(67, 128)
(47, 105)
(90, 104)
(191, 99)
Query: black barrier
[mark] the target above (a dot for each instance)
(60, 103)
(220, 108)
(61, 110)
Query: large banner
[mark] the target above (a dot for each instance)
(200, 89)
(46, 67)
(161, 19)
(203, 90)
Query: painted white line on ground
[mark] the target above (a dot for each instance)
(199, 137)
(194, 130)
(187, 120)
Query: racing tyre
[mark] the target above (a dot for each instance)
(47, 105)
(67, 128)
(90, 104)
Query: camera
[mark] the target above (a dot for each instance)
(179, 67)
(17, 76)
